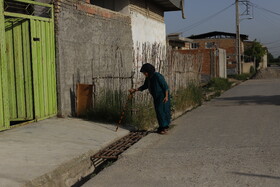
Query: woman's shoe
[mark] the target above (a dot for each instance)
(163, 132)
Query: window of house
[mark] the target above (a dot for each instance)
(209, 45)
(194, 45)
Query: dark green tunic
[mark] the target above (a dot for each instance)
(157, 87)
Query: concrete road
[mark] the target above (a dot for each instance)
(233, 140)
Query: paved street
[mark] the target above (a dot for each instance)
(233, 140)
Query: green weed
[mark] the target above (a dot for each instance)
(190, 96)
(219, 84)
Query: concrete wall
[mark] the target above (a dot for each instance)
(263, 64)
(247, 66)
(222, 63)
(94, 46)
(148, 32)
(145, 29)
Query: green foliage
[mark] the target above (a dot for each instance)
(140, 116)
(190, 96)
(219, 84)
(242, 77)
(256, 50)
(144, 117)
(252, 70)
(108, 107)
(270, 58)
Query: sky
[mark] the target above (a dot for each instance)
(204, 16)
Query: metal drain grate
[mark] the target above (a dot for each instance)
(114, 150)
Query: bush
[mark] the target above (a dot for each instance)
(108, 107)
(144, 117)
(219, 84)
(252, 70)
(190, 96)
(139, 116)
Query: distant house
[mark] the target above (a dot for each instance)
(264, 60)
(214, 58)
(176, 41)
(223, 40)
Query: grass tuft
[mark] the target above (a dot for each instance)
(184, 98)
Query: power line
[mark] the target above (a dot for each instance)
(203, 20)
(274, 47)
(268, 19)
(269, 43)
(261, 8)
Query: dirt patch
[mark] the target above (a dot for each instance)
(268, 73)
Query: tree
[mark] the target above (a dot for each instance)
(270, 58)
(256, 50)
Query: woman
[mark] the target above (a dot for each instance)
(158, 88)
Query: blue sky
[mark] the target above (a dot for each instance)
(265, 26)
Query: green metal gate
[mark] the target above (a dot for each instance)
(28, 82)
(18, 58)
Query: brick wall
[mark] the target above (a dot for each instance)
(229, 45)
(210, 62)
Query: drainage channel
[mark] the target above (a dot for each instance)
(110, 154)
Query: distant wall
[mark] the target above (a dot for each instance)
(94, 46)
(222, 63)
(207, 69)
(213, 62)
(247, 66)
(263, 64)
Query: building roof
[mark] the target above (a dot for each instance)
(218, 35)
(170, 5)
(178, 38)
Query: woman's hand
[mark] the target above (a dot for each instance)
(132, 90)
(165, 99)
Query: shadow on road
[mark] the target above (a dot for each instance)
(256, 175)
(255, 99)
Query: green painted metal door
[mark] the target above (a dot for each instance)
(18, 59)
(4, 106)
(43, 64)
(27, 61)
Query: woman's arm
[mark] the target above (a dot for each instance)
(166, 96)
(141, 88)
(164, 87)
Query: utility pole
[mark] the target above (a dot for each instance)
(237, 49)
(247, 4)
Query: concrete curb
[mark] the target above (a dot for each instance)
(70, 172)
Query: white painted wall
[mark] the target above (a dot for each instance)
(264, 61)
(149, 41)
(222, 63)
(145, 29)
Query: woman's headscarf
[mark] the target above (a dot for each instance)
(148, 68)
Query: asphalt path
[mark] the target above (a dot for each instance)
(233, 140)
